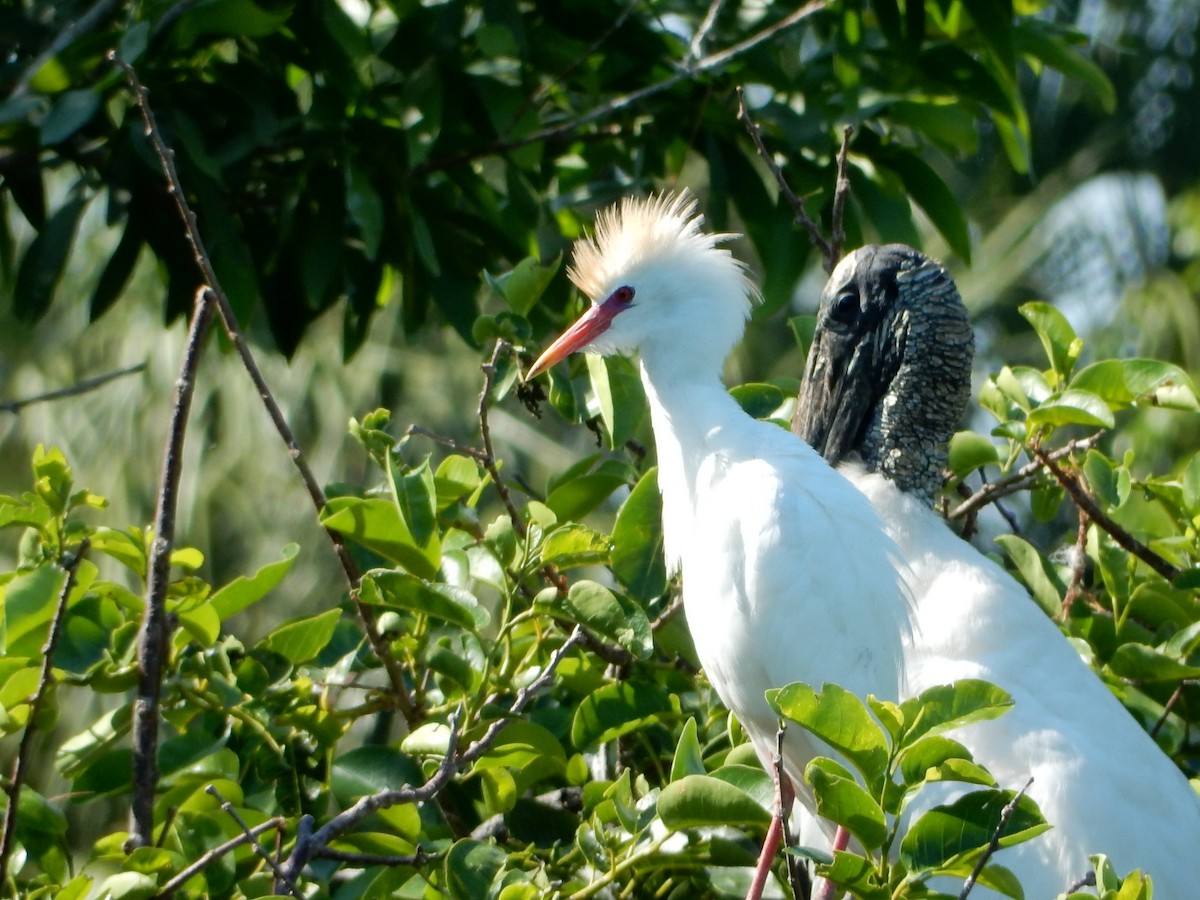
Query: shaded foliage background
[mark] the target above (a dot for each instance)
(385, 189)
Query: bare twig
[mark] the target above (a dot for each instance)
(1078, 566)
(840, 192)
(700, 38)
(798, 209)
(418, 858)
(1171, 701)
(1019, 479)
(785, 795)
(262, 851)
(1088, 880)
(625, 101)
(208, 858)
(485, 431)
(24, 750)
(994, 844)
(308, 841)
(1084, 501)
(74, 390)
(667, 614)
(152, 635)
(366, 615)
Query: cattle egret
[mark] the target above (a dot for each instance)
(887, 376)
(788, 572)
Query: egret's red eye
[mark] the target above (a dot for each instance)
(623, 294)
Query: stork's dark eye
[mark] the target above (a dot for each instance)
(623, 294)
(845, 307)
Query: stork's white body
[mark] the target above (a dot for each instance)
(1098, 777)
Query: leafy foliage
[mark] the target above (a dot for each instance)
(555, 737)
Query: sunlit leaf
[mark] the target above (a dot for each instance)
(698, 801)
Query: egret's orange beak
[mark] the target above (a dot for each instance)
(586, 329)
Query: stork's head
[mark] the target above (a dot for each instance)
(889, 371)
(658, 285)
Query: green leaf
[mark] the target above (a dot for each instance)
(522, 287)
(946, 706)
(243, 592)
(1121, 382)
(1191, 484)
(70, 112)
(523, 745)
(688, 758)
(944, 121)
(455, 478)
(1040, 578)
(117, 271)
(378, 526)
(575, 496)
(30, 600)
(444, 602)
(471, 867)
(128, 886)
(930, 192)
(701, 801)
(966, 826)
(803, 328)
(970, 451)
(929, 753)
(365, 208)
(994, 24)
(841, 720)
(617, 709)
(638, 561)
(575, 545)
(415, 493)
(758, 400)
(1058, 338)
(603, 613)
(1072, 407)
(620, 395)
(1140, 663)
(42, 265)
(1034, 38)
(300, 640)
(844, 801)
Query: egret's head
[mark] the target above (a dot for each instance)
(658, 284)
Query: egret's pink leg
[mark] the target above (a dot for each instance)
(784, 795)
(840, 839)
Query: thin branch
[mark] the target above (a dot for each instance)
(489, 456)
(785, 795)
(840, 192)
(1084, 501)
(24, 751)
(1078, 566)
(800, 212)
(207, 859)
(625, 101)
(1171, 701)
(419, 858)
(700, 38)
(166, 157)
(74, 390)
(1088, 880)
(1019, 479)
(667, 614)
(153, 632)
(262, 851)
(308, 841)
(994, 844)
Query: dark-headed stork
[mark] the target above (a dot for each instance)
(884, 387)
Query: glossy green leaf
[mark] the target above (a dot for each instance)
(930, 192)
(1037, 40)
(444, 602)
(30, 600)
(243, 592)
(524, 285)
(574, 545)
(843, 800)
(928, 753)
(1058, 338)
(471, 867)
(638, 561)
(966, 826)
(1073, 407)
(300, 640)
(70, 112)
(617, 709)
(116, 273)
(619, 393)
(758, 400)
(840, 719)
(455, 478)
(1140, 663)
(688, 758)
(1040, 578)
(1191, 484)
(378, 526)
(701, 801)
(603, 613)
(574, 497)
(523, 744)
(1120, 382)
(945, 706)
(970, 451)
